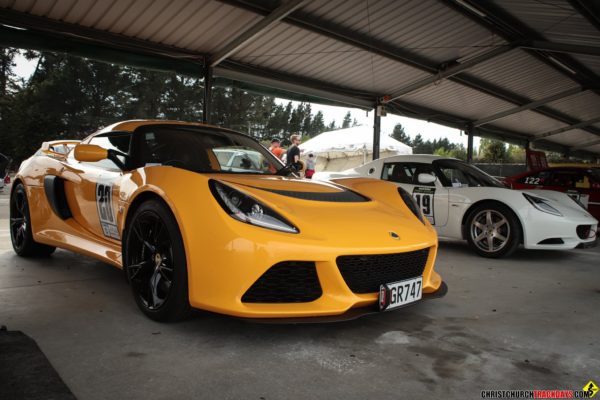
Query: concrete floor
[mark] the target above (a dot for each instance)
(528, 322)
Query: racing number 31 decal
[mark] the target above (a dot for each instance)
(105, 210)
(424, 197)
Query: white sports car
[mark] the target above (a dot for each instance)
(463, 202)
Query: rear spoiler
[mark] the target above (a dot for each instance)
(58, 148)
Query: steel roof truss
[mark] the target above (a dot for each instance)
(256, 30)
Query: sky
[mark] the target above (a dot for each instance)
(24, 68)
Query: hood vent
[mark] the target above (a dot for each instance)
(345, 196)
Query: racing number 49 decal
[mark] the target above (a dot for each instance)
(424, 197)
(105, 210)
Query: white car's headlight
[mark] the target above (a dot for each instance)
(247, 209)
(542, 204)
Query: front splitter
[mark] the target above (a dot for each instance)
(349, 315)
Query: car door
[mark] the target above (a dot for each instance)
(92, 188)
(432, 197)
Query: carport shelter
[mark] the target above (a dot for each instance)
(523, 71)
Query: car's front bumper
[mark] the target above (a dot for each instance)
(220, 274)
(349, 315)
(549, 232)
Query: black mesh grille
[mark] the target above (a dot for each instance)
(286, 282)
(583, 231)
(364, 274)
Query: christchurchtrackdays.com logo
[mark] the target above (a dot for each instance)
(588, 391)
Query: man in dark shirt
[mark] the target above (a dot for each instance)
(293, 153)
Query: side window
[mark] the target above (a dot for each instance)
(242, 159)
(423, 169)
(398, 172)
(119, 142)
(457, 177)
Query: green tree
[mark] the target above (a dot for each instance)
(347, 120)
(400, 135)
(417, 144)
(317, 125)
(515, 154)
(491, 150)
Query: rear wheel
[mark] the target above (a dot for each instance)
(20, 227)
(493, 230)
(155, 262)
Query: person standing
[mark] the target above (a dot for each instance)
(293, 153)
(310, 166)
(276, 148)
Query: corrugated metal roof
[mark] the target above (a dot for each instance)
(522, 73)
(426, 28)
(298, 55)
(592, 62)
(530, 122)
(556, 20)
(575, 137)
(583, 106)
(456, 99)
(304, 53)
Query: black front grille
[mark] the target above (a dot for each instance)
(583, 231)
(364, 274)
(286, 282)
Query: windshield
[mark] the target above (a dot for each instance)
(205, 150)
(456, 173)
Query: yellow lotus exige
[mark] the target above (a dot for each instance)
(202, 217)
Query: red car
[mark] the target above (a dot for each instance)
(583, 184)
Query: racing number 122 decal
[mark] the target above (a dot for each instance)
(424, 197)
(105, 210)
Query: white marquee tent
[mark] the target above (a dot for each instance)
(348, 148)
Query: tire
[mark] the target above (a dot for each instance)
(500, 238)
(155, 264)
(20, 227)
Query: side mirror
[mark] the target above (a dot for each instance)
(426, 179)
(90, 153)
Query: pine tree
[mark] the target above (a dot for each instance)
(400, 135)
(347, 120)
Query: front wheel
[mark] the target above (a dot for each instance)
(155, 264)
(493, 230)
(21, 235)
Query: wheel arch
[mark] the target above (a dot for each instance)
(15, 183)
(491, 202)
(138, 200)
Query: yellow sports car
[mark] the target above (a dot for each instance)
(203, 217)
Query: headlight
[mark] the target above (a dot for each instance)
(542, 204)
(411, 204)
(246, 209)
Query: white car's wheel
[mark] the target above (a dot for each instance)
(493, 230)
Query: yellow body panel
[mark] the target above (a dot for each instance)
(225, 256)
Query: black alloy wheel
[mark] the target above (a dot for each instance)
(155, 262)
(20, 226)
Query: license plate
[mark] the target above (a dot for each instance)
(398, 294)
